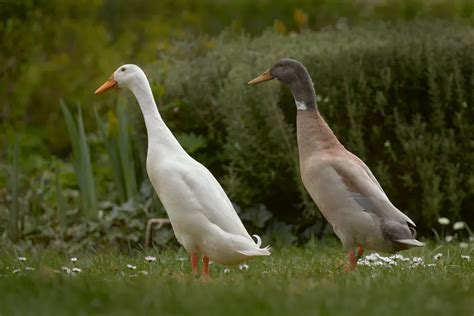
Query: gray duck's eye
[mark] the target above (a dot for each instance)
(122, 69)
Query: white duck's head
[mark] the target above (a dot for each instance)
(126, 76)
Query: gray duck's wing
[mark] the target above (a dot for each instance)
(366, 191)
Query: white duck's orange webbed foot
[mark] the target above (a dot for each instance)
(194, 263)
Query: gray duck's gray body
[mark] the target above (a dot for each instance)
(342, 186)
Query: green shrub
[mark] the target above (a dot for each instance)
(400, 96)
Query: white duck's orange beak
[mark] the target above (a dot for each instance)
(109, 84)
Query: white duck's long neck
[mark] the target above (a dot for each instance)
(160, 139)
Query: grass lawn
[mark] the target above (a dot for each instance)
(306, 280)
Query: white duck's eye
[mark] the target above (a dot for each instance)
(122, 69)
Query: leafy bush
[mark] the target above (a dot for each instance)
(400, 96)
(62, 49)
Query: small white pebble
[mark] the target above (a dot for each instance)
(444, 221)
(226, 270)
(131, 267)
(438, 256)
(76, 270)
(449, 238)
(463, 244)
(150, 258)
(466, 257)
(29, 268)
(16, 271)
(73, 259)
(22, 258)
(243, 266)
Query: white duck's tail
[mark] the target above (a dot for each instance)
(253, 249)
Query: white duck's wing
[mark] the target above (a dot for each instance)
(365, 190)
(212, 200)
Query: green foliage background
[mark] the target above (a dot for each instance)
(394, 79)
(396, 95)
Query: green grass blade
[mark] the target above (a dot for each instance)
(60, 203)
(89, 183)
(81, 161)
(14, 216)
(110, 142)
(126, 154)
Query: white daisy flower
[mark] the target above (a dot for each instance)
(16, 271)
(243, 266)
(448, 238)
(182, 259)
(444, 221)
(150, 258)
(76, 270)
(131, 267)
(463, 244)
(459, 225)
(226, 270)
(22, 258)
(144, 272)
(471, 238)
(466, 257)
(66, 269)
(73, 259)
(29, 268)
(438, 256)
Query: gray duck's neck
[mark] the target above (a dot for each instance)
(303, 93)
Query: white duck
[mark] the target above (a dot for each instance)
(202, 216)
(341, 185)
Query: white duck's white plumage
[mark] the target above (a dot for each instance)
(202, 216)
